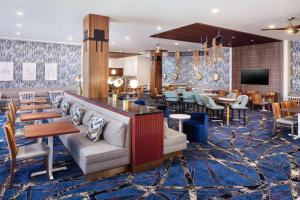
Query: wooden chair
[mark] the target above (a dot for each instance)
(285, 105)
(221, 93)
(293, 104)
(26, 95)
(257, 101)
(157, 95)
(10, 118)
(140, 93)
(282, 121)
(23, 152)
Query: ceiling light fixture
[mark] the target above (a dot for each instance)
(120, 51)
(157, 48)
(18, 25)
(190, 50)
(127, 38)
(252, 40)
(176, 43)
(70, 38)
(18, 33)
(215, 10)
(19, 13)
(272, 26)
(233, 37)
(158, 28)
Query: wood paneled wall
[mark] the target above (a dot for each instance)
(95, 57)
(156, 72)
(268, 55)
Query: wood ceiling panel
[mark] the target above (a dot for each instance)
(196, 32)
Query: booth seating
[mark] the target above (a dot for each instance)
(196, 128)
(174, 141)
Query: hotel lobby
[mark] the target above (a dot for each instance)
(107, 99)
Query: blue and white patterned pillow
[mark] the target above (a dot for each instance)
(57, 102)
(65, 107)
(96, 128)
(77, 115)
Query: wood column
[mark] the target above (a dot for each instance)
(95, 56)
(156, 72)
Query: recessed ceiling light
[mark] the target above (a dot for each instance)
(272, 26)
(20, 13)
(176, 43)
(112, 42)
(18, 33)
(18, 25)
(215, 10)
(190, 49)
(127, 38)
(158, 28)
(142, 52)
(120, 51)
(252, 40)
(233, 37)
(70, 38)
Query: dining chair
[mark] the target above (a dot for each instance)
(172, 98)
(258, 101)
(282, 121)
(285, 105)
(26, 95)
(19, 132)
(157, 95)
(188, 99)
(293, 104)
(214, 109)
(20, 153)
(199, 102)
(140, 93)
(53, 94)
(240, 105)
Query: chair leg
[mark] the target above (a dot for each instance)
(239, 114)
(244, 112)
(46, 165)
(12, 172)
(274, 127)
(232, 114)
(292, 130)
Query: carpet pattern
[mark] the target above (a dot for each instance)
(238, 163)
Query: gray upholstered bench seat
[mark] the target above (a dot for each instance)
(174, 141)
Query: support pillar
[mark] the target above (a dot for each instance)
(156, 72)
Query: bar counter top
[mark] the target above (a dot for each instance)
(120, 106)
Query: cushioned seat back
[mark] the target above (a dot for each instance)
(198, 99)
(170, 94)
(211, 102)
(188, 96)
(204, 99)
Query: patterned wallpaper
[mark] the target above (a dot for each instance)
(68, 58)
(295, 66)
(187, 73)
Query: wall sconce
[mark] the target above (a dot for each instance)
(113, 72)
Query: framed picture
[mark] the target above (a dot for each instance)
(50, 71)
(6, 71)
(216, 77)
(29, 71)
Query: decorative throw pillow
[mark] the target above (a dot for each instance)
(57, 101)
(96, 128)
(76, 115)
(65, 107)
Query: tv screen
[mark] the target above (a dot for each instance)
(255, 76)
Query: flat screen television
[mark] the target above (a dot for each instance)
(255, 76)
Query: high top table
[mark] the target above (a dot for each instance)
(226, 101)
(49, 130)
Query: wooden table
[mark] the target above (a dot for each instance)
(226, 101)
(35, 107)
(34, 101)
(49, 130)
(39, 116)
(294, 111)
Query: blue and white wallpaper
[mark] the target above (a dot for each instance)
(295, 66)
(188, 75)
(68, 58)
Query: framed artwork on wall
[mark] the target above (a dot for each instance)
(50, 71)
(6, 71)
(216, 76)
(29, 71)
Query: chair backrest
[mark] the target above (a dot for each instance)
(285, 105)
(293, 104)
(188, 95)
(198, 98)
(140, 102)
(242, 101)
(170, 94)
(256, 98)
(211, 102)
(181, 89)
(12, 146)
(276, 110)
(53, 94)
(221, 93)
(26, 95)
(204, 100)
(10, 117)
(12, 111)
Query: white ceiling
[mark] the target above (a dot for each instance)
(56, 20)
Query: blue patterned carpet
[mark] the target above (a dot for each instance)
(238, 163)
